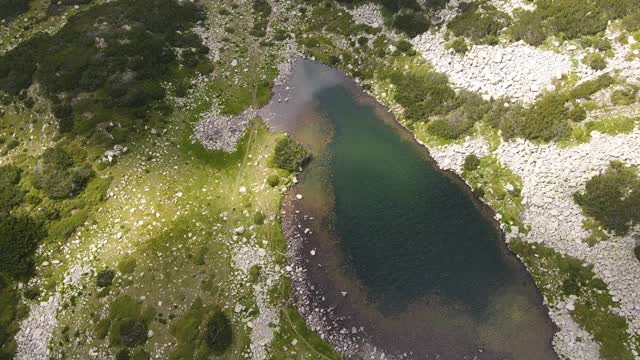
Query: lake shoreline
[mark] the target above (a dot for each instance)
(325, 320)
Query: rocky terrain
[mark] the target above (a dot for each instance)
(518, 71)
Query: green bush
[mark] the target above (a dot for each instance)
(598, 43)
(12, 8)
(612, 198)
(412, 23)
(58, 175)
(127, 325)
(577, 113)
(10, 193)
(129, 332)
(477, 22)
(273, 180)
(262, 8)
(624, 96)
(422, 95)
(254, 273)
(19, 241)
(289, 155)
(9, 318)
(105, 278)
(404, 46)
(219, 333)
(259, 217)
(444, 129)
(127, 265)
(596, 62)
(458, 45)
(528, 29)
(545, 121)
(471, 162)
(123, 354)
(631, 22)
(636, 251)
(140, 354)
(590, 87)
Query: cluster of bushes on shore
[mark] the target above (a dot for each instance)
(613, 198)
(289, 155)
(103, 70)
(427, 97)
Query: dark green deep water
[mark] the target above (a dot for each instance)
(425, 268)
(406, 228)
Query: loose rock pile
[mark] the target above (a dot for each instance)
(551, 176)
(368, 14)
(222, 132)
(517, 71)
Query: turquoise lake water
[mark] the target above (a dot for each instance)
(426, 271)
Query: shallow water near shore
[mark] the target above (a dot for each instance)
(424, 269)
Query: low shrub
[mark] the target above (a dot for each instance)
(577, 113)
(105, 278)
(219, 333)
(123, 354)
(529, 29)
(289, 155)
(590, 87)
(459, 45)
(612, 198)
(259, 217)
(95, 74)
(12, 8)
(471, 162)
(596, 62)
(636, 251)
(10, 193)
(422, 95)
(598, 43)
(412, 23)
(624, 96)
(59, 175)
(478, 21)
(273, 180)
(404, 46)
(127, 265)
(130, 332)
(20, 238)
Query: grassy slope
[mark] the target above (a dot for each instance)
(165, 199)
